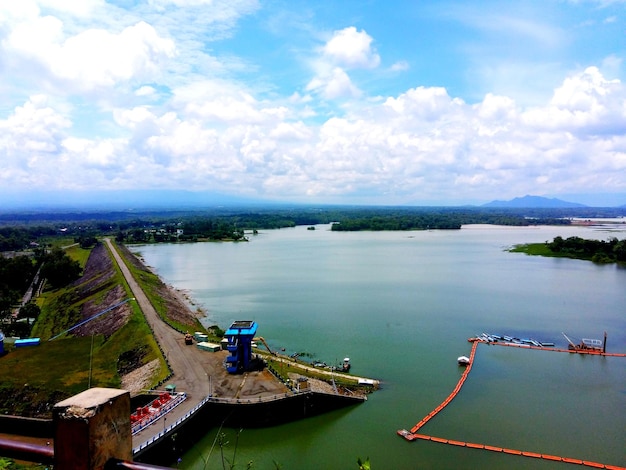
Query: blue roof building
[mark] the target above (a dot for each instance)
(239, 336)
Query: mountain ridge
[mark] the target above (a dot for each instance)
(529, 201)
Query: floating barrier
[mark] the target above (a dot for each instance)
(413, 435)
(591, 352)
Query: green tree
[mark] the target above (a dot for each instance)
(8, 298)
(619, 250)
(60, 269)
(30, 310)
(86, 241)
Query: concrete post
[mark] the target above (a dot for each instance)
(92, 427)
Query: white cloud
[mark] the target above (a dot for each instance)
(420, 145)
(80, 8)
(90, 153)
(130, 99)
(351, 49)
(94, 57)
(501, 108)
(585, 104)
(33, 128)
(400, 66)
(30, 143)
(334, 84)
(427, 103)
(221, 102)
(346, 49)
(145, 91)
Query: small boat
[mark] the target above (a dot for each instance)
(463, 360)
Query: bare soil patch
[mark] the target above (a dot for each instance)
(97, 275)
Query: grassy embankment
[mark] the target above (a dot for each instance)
(36, 378)
(160, 298)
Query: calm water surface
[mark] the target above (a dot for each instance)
(401, 305)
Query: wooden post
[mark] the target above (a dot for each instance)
(92, 427)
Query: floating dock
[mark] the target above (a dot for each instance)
(412, 434)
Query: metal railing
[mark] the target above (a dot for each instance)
(167, 429)
(26, 451)
(211, 399)
(139, 426)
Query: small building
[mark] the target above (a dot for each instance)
(200, 337)
(22, 343)
(206, 346)
(302, 384)
(239, 337)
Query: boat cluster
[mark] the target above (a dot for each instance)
(491, 338)
(344, 367)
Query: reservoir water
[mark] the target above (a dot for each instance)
(401, 305)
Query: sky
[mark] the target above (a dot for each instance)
(381, 102)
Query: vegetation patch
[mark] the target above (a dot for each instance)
(598, 251)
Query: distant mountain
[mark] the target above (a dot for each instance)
(534, 202)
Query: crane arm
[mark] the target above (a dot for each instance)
(262, 340)
(569, 341)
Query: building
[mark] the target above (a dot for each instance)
(239, 336)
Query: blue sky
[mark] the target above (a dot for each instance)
(372, 102)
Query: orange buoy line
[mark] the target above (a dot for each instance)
(413, 434)
(504, 450)
(450, 397)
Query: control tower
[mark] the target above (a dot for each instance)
(239, 337)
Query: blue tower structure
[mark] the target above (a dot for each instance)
(239, 337)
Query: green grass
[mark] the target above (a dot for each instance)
(62, 364)
(78, 254)
(134, 335)
(535, 249)
(60, 368)
(282, 369)
(57, 241)
(10, 464)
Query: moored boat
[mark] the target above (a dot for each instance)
(463, 360)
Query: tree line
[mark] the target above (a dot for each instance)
(598, 251)
(19, 272)
(19, 232)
